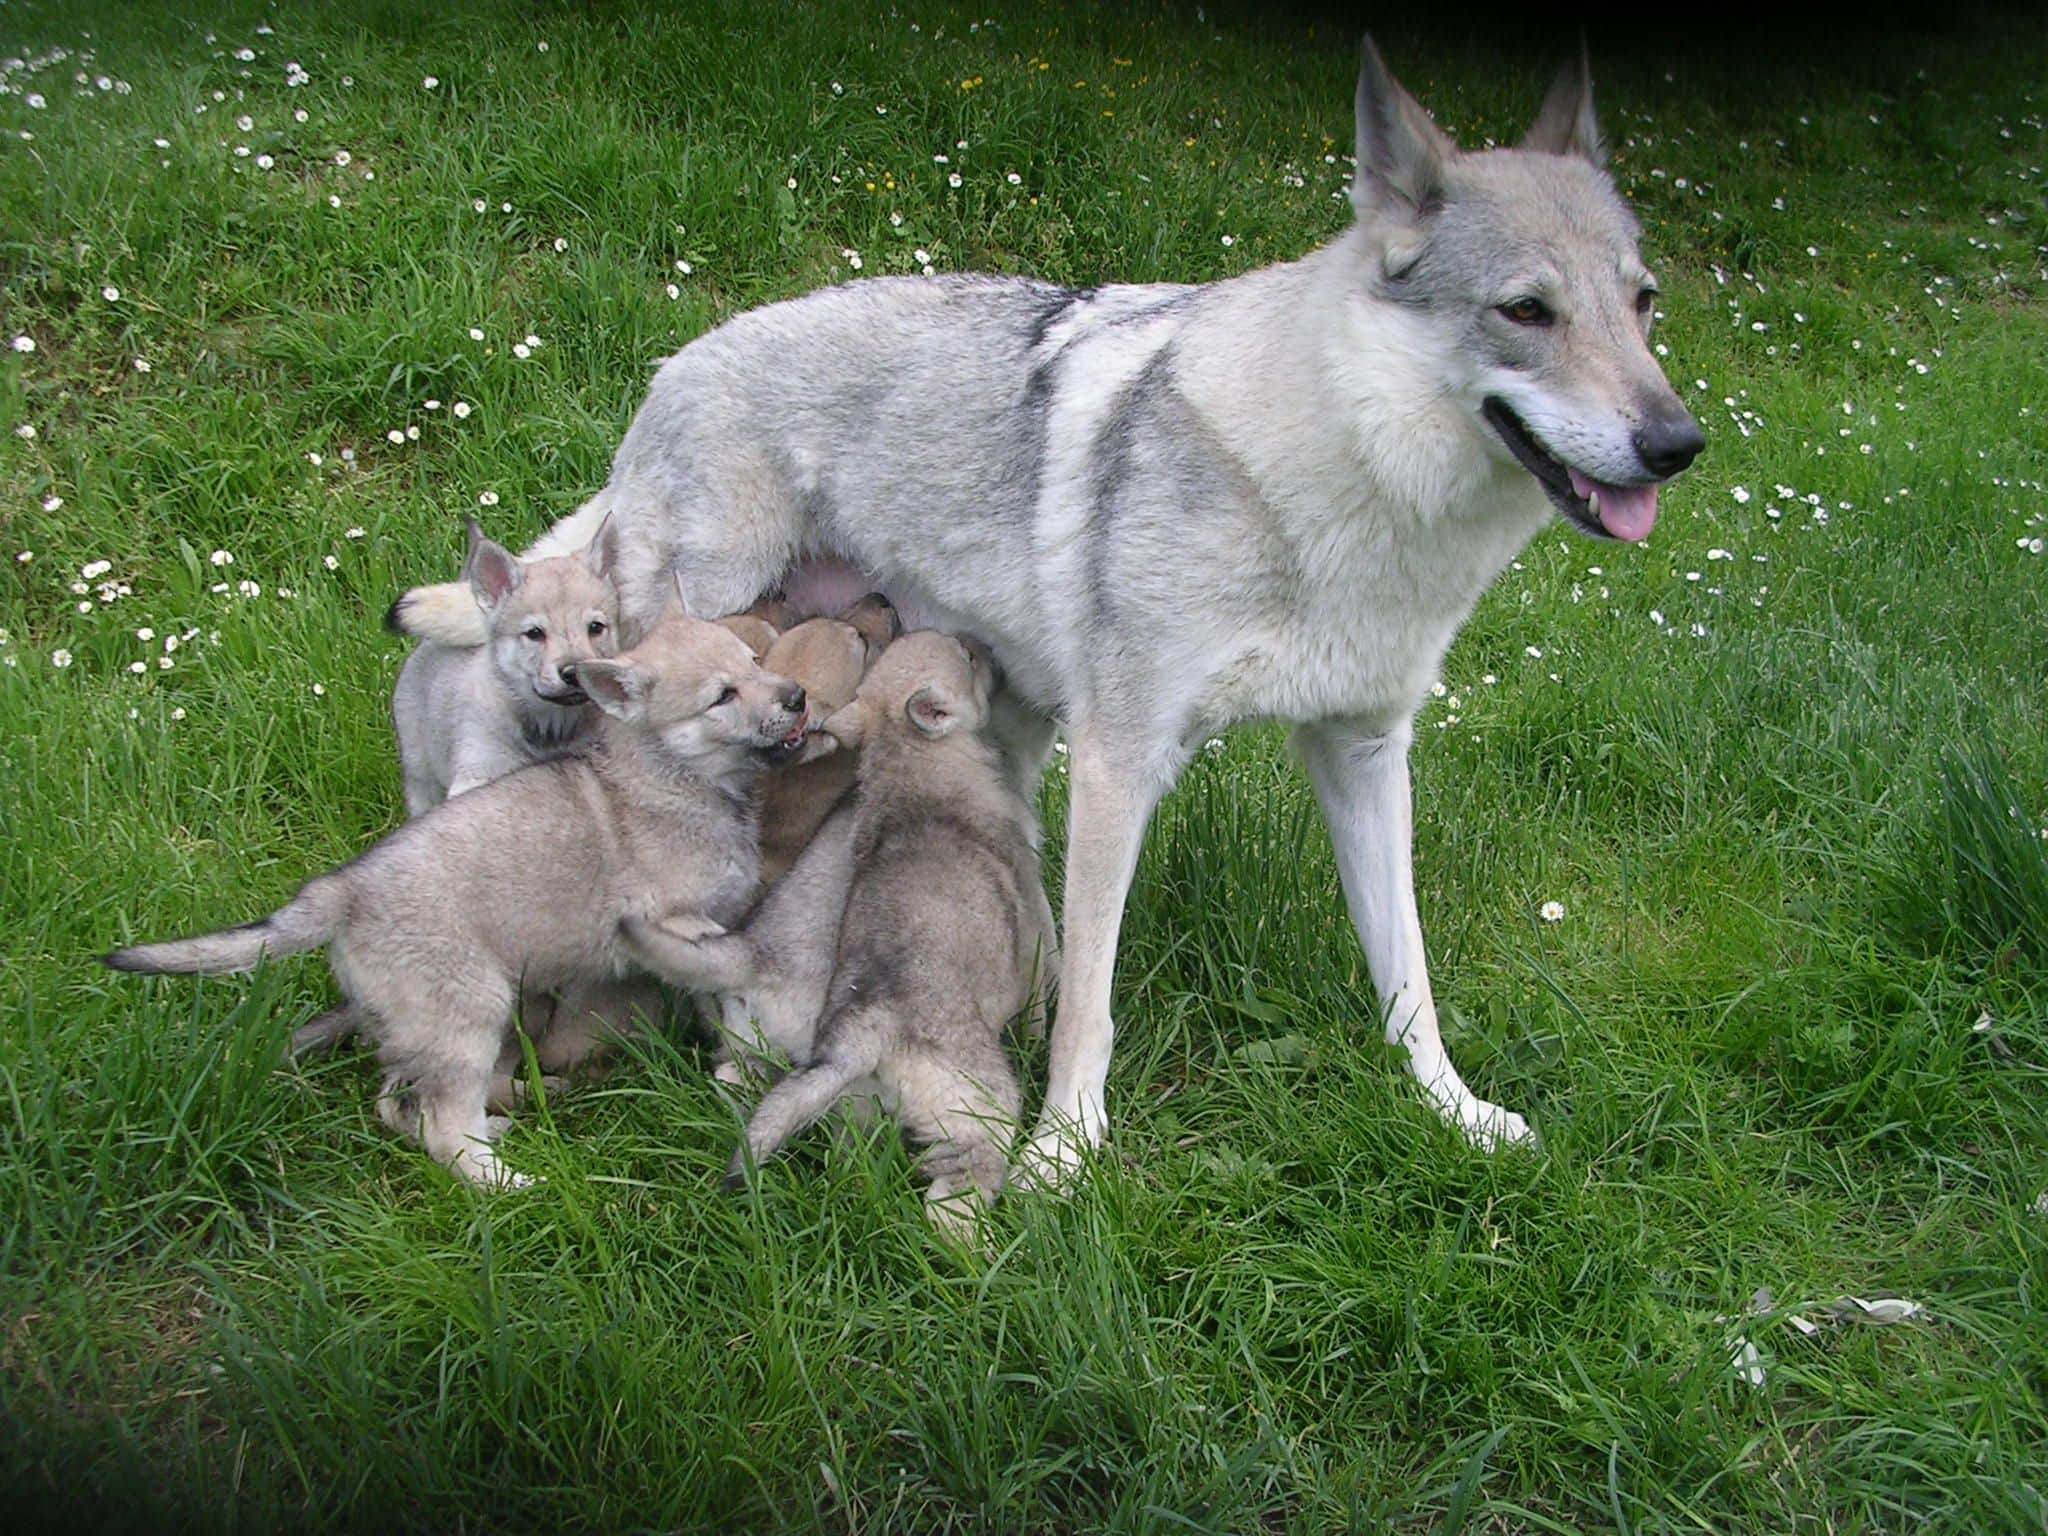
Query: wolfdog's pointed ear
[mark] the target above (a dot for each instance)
(617, 687)
(603, 552)
(1566, 125)
(1401, 153)
(492, 571)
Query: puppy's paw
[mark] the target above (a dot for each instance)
(956, 1217)
(685, 928)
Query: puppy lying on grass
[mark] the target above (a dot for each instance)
(943, 933)
(527, 879)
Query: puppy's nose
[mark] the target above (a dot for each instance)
(792, 698)
(1668, 444)
(566, 671)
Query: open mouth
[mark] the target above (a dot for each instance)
(792, 742)
(566, 698)
(1606, 511)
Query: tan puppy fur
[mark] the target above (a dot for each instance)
(829, 657)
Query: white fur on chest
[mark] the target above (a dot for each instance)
(1397, 515)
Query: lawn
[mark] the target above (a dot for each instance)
(289, 291)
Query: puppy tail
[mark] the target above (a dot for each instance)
(445, 613)
(309, 920)
(795, 1102)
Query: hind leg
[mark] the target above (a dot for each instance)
(964, 1106)
(327, 1031)
(439, 1042)
(454, 1123)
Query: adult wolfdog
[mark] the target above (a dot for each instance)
(1167, 508)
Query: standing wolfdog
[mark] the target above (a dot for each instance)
(1167, 508)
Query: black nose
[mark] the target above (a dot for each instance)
(793, 698)
(567, 670)
(1668, 444)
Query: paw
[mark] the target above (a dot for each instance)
(687, 927)
(1053, 1158)
(957, 1218)
(1491, 1128)
(484, 1169)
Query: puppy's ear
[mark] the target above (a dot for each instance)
(937, 711)
(1565, 125)
(602, 555)
(492, 571)
(1401, 153)
(877, 621)
(617, 687)
(848, 726)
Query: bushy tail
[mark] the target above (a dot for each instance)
(307, 921)
(445, 613)
(793, 1103)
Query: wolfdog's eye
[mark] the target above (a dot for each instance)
(597, 626)
(1528, 311)
(534, 632)
(726, 697)
(1645, 301)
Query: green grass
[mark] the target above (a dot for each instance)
(1795, 826)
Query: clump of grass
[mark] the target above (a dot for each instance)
(1973, 885)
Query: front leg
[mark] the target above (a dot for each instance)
(1115, 780)
(688, 950)
(1361, 779)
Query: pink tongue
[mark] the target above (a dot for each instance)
(1626, 511)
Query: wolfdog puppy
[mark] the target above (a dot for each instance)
(467, 716)
(945, 928)
(829, 657)
(432, 931)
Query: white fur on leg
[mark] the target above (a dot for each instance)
(1111, 799)
(1361, 779)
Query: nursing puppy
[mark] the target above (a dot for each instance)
(526, 880)
(944, 929)
(467, 716)
(829, 657)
